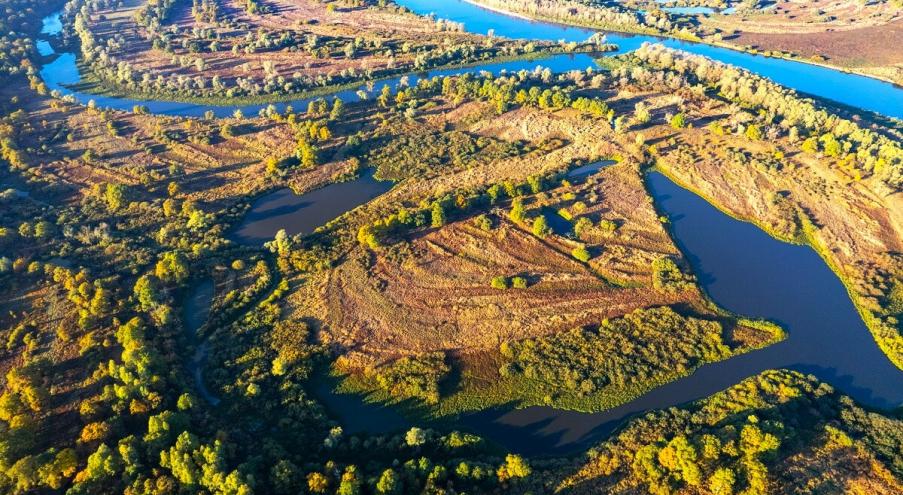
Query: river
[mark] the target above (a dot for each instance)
(850, 89)
(742, 268)
(62, 73)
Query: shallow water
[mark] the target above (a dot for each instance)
(588, 169)
(195, 313)
(690, 10)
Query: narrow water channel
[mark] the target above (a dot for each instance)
(62, 74)
(195, 313)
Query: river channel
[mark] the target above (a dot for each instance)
(741, 268)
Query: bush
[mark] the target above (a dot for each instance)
(519, 282)
(581, 254)
(499, 282)
(414, 376)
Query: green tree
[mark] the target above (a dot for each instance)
(535, 183)
(541, 226)
(678, 121)
(483, 222)
(317, 483)
(581, 253)
(389, 483)
(722, 481)
(515, 466)
(147, 293)
(44, 229)
(753, 132)
(810, 145)
(351, 482)
(517, 213)
(338, 109)
(437, 215)
(115, 196)
(831, 145)
(415, 436)
(306, 153)
(172, 268)
(285, 477)
(104, 463)
(499, 282)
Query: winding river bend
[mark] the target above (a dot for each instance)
(742, 268)
(846, 88)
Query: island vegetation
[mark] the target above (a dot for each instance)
(497, 271)
(854, 35)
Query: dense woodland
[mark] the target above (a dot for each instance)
(102, 343)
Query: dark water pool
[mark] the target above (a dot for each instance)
(195, 313)
(301, 214)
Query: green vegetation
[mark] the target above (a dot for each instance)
(412, 377)
(858, 149)
(112, 60)
(643, 346)
(119, 377)
(748, 439)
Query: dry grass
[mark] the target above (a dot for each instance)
(433, 291)
(844, 33)
(344, 24)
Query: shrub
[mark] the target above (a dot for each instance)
(581, 253)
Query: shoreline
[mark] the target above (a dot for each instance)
(718, 44)
(90, 85)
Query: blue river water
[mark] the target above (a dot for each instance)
(62, 73)
(742, 268)
(850, 89)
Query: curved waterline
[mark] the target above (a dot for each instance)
(742, 268)
(824, 82)
(746, 271)
(62, 74)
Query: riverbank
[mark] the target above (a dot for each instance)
(808, 239)
(91, 84)
(690, 38)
